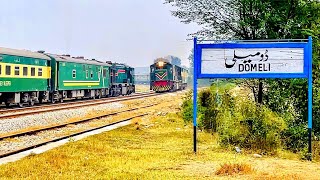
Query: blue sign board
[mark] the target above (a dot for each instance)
(253, 59)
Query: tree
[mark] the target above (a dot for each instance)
(225, 19)
(268, 19)
(249, 19)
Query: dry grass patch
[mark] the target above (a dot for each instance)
(156, 146)
(11, 140)
(231, 169)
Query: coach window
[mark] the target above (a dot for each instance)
(104, 73)
(91, 75)
(84, 67)
(8, 70)
(87, 74)
(33, 71)
(16, 70)
(40, 72)
(25, 71)
(73, 73)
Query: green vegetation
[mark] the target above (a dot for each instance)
(283, 100)
(233, 115)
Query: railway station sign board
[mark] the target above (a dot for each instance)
(253, 59)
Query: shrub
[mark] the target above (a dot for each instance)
(295, 137)
(187, 107)
(246, 124)
(237, 119)
(208, 110)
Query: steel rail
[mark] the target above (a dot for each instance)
(12, 135)
(67, 136)
(41, 110)
(69, 102)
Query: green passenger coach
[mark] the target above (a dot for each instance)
(24, 76)
(27, 77)
(78, 78)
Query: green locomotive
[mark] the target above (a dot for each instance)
(123, 79)
(27, 77)
(167, 74)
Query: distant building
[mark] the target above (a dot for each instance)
(142, 75)
(142, 79)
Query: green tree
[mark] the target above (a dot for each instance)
(268, 19)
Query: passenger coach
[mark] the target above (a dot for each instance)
(76, 77)
(34, 77)
(24, 76)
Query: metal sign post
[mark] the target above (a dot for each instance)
(253, 59)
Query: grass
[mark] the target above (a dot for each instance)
(154, 147)
(231, 169)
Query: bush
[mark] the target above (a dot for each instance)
(187, 107)
(246, 124)
(208, 110)
(237, 119)
(295, 137)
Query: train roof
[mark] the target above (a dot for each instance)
(81, 60)
(23, 53)
(121, 65)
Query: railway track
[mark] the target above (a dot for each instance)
(12, 135)
(12, 109)
(53, 127)
(54, 107)
(22, 150)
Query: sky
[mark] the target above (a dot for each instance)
(134, 32)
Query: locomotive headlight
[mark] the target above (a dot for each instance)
(160, 63)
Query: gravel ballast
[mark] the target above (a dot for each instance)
(55, 117)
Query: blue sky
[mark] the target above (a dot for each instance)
(130, 31)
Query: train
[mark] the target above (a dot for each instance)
(167, 75)
(28, 77)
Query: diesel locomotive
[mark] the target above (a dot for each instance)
(28, 77)
(167, 74)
